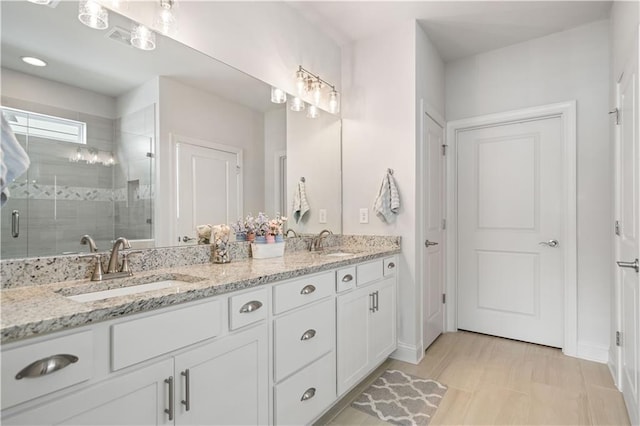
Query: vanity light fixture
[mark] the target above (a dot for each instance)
(93, 15)
(297, 104)
(142, 37)
(32, 60)
(278, 96)
(313, 111)
(166, 20)
(313, 85)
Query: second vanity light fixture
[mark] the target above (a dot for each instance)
(309, 83)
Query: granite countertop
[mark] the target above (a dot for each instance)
(35, 310)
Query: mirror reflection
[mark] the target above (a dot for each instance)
(173, 139)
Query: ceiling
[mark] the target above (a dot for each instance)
(87, 58)
(456, 28)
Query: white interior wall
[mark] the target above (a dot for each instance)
(573, 64)
(190, 112)
(47, 92)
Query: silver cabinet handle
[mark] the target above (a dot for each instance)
(309, 393)
(169, 410)
(252, 306)
(633, 265)
(375, 300)
(347, 278)
(309, 334)
(308, 289)
(372, 302)
(186, 239)
(47, 365)
(392, 265)
(550, 243)
(15, 223)
(429, 243)
(186, 401)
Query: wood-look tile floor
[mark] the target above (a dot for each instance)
(496, 381)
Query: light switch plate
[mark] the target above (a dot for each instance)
(322, 216)
(364, 215)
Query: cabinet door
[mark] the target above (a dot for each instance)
(228, 381)
(382, 327)
(352, 344)
(139, 397)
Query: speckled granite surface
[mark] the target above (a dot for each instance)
(38, 309)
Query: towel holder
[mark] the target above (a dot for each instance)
(302, 179)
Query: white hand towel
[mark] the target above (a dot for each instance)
(300, 203)
(387, 203)
(14, 161)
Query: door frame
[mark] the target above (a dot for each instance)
(175, 139)
(566, 111)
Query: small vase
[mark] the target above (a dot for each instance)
(220, 253)
(271, 239)
(279, 238)
(261, 239)
(241, 236)
(251, 236)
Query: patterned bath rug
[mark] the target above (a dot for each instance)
(401, 399)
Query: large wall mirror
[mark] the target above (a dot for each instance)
(146, 144)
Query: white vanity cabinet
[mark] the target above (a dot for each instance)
(366, 323)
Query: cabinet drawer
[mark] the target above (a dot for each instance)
(345, 279)
(368, 272)
(79, 345)
(302, 336)
(390, 266)
(304, 396)
(301, 291)
(138, 340)
(247, 308)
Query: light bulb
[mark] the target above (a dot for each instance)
(166, 20)
(143, 38)
(313, 111)
(278, 96)
(301, 82)
(334, 102)
(317, 91)
(297, 104)
(93, 15)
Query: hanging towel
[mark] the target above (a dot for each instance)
(387, 203)
(300, 203)
(13, 160)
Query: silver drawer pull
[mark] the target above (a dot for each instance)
(169, 410)
(309, 334)
(310, 393)
(391, 265)
(347, 278)
(308, 289)
(45, 366)
(254, 305)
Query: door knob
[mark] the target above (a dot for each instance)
(185, 239)
(550, 243)
(633, 265)
(429, 243)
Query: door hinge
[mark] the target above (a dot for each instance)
(444, 298)
(444, 149)
(618, 338)
(444, 224)
(617, 227)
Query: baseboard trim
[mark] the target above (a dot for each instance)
(593, 353)
(408, 353)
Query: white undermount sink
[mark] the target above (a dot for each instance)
(125, 291)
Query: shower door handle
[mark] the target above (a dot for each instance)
(15, 223)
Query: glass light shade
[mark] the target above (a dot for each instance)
(166, 20)
(77, 156)
(317, 91)
(143, 38)
(334, 102)
(93, 157)
(313, 111)
(93, 15)
(278, 96)
(297, 104)
(301, 82)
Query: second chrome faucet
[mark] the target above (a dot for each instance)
(114, 268)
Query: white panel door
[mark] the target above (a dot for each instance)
(433, 286)
(628, 241)
(207, 188)
(510, 198)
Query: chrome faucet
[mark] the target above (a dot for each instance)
(295, 234)
(316, 242)
(113, 260)
(86, 239)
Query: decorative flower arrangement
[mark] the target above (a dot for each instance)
(259, 226)
(276, 226)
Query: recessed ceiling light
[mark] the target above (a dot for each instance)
(43, 2)
(36, 62)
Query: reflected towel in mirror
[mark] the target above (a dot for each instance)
(300, 203)
(387, 203)
(14, 161)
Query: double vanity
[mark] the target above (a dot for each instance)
(265, 341)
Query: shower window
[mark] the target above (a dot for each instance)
(46, 126)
